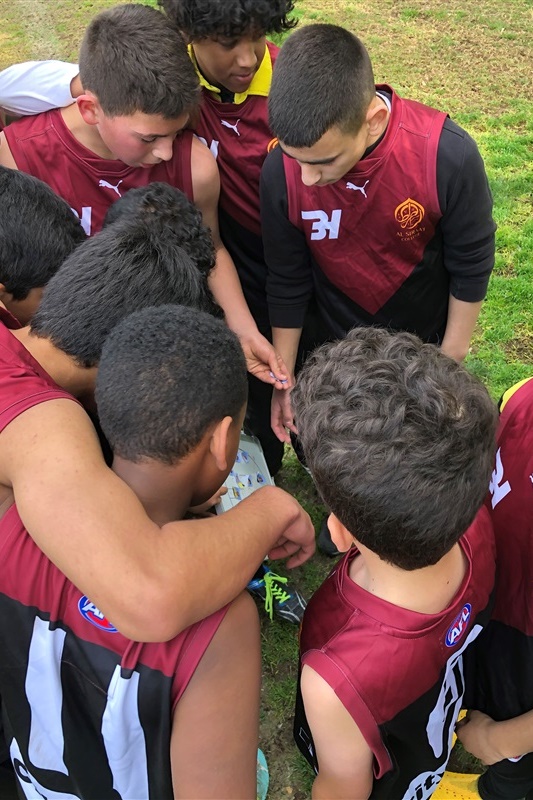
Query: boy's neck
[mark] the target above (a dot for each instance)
(427, 591)
(164, 491)
(85, 134)
(62, 368)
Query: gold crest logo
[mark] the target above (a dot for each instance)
(409, 214)
(272, 144)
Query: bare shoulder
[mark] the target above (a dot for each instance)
(6, 157)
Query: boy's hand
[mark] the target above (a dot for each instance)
(478, 734)
(263, 361)
(281, 416)
(298, 539)
(213, 501)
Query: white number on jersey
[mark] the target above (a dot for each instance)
(322, 225)
(497, 488)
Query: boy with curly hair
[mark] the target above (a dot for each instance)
(400, 440)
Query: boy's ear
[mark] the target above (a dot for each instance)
(219, 443)
(376, 118)
(340, 536)
(89, 108)
(5, 296)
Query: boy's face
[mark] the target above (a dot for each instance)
(335, 154)
(140, 140)
(231, 63)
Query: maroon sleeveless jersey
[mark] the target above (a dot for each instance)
(500, 668)
(44, 147)
(398, 673)
(87, 713)
(240, 139)
(368, 231)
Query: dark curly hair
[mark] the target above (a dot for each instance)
(204, 19)
(400, 440)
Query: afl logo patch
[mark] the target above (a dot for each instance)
(272, 144)
(93, 615)
(458, 626)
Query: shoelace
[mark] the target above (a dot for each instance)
(274, 592)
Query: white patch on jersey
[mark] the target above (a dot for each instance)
(229, 125)
(323, 225)
(45, 696)
(356, 188)
(498, 489)
(441, 722)
(106, 185)
(30, 786)
(85, 219)
(213, 146)
(124, 737)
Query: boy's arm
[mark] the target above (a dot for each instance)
(151, 582)
(492, 741)
(467, 230)
(209, 757)
(344, 758)
(224, 282)
(37, 86)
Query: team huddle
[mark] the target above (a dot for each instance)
(201, 232)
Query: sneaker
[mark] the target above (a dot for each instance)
(262, 776)
(324, 542)
(277, 596)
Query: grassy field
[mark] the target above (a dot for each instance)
(472, 59)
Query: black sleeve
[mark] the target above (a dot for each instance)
(466, 204)
(289, 282)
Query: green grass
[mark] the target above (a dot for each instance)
(473, 59)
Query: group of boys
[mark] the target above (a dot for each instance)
(374, 213)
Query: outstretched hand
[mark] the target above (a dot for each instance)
(263, 361)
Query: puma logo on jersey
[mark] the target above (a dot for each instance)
(324, 226)
(356, 188)
(229, 125)
(106, 185)
(497, 486)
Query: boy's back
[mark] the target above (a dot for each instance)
(397, 672)
(399, 439)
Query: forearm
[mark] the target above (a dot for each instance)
(461, 321)
(512, 737)
(286, 341)
(226, 288)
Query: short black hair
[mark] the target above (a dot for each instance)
(129, 265)
(38, 230)
(134, 59)
(170, 207)
(323, 78)
(400, 440)
(166, 375)
(209, 19)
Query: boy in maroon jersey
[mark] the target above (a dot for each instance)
(400, 440)
(171, 394)
(128, 128)
(377, 206)
(499, 731)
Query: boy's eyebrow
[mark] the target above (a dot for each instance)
(314, 162)
(161, 135)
